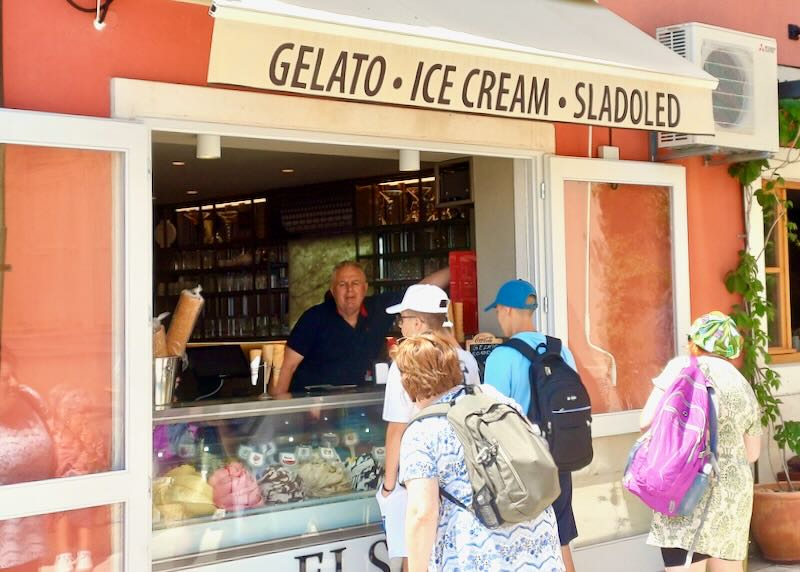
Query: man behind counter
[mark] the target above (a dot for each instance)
(338, 341)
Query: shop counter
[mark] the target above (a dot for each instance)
(239, 479)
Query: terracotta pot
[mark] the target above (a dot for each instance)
(776, 514)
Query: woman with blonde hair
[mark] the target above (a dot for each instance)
(440, 535)
(718, 528)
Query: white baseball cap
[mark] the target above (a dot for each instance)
(425, 298)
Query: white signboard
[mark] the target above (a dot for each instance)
(319, 64)
(366, 554)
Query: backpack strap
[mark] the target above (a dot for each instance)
(524, 348)
(712, 412)
(439, 410)
(532, 355)
(712, 425)
(553, 345)
(712, 440)
(453, 499)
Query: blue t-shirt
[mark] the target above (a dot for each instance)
(507, 369)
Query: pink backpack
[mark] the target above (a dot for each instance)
(670, 465)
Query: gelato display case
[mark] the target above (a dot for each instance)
(240, 478)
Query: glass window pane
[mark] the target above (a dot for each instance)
(794, 269)
(90, 538)
(619, 289)
(770, 250)
(775, 324)
(604, 509)
(59, 387)
(220, 484)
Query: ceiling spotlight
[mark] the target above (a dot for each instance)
(409, 160)
(179, 163)
(287, 171)
(191, 192)
(209, 146)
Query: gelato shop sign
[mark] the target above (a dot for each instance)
(521, 86)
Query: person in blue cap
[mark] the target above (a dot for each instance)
(507, 371)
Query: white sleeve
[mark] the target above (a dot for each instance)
(470, 365)
(397, 405)
(670, 372)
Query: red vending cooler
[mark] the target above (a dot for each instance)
(464, 287)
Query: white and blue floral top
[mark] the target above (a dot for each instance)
(431, 450)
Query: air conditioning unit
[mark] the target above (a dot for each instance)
(746, 99)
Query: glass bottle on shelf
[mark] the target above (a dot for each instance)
(411, 203)
(229, 217)
(364, 207)
(189, 228)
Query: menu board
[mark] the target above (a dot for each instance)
(480, 346)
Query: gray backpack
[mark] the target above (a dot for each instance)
(511, 471)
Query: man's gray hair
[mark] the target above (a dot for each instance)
(346, 264)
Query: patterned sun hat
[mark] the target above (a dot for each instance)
(716, 333)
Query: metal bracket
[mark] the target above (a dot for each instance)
(736, 158)
(712, 154)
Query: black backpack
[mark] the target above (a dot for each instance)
(560, 404)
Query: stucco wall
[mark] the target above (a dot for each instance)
(54, 59)
(494, 231)
(763, 18)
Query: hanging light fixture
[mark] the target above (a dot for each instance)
(409, 160)
(209, 146)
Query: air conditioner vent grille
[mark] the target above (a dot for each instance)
(672, 138)
(674, 39)
(743, 104)
(733, 98)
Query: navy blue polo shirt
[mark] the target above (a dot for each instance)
(334, 352)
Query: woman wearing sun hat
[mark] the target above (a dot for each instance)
(722, 539)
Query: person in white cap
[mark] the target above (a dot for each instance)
(423, 309)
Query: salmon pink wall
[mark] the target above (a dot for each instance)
(716, 225)
(711, 195)
(764, 18)
(629, 267)
(54, 59)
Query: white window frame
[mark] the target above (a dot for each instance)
(562, 169)
(132, 339)
(527, 167)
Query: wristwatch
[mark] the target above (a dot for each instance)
(383, 486)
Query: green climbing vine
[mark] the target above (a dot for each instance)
(754, 310)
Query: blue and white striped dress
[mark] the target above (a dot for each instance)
(431, 450)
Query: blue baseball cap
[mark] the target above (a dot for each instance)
(515, 294)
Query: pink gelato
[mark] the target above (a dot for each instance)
(235, 488)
